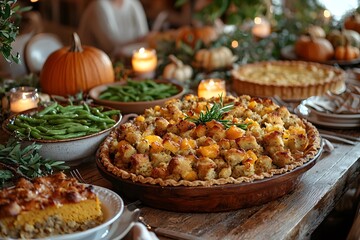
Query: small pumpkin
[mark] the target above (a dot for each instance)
(191, 35)
(341, 37)
(176, 69)
(71, 70)
(314, 49)
(346, 52)
(316, 31)
(214, 58)
(352, 22)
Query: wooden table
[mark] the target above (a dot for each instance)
(294, 216)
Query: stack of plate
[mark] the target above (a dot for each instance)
(310, 110)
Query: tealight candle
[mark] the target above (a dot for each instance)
(23, 98)
(209, 88)
(144, 62)
(261, 28)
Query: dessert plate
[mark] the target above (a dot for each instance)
(112, 206)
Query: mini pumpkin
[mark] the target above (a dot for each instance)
(346, 52)
(176, 69)
(314, 49)
(341, 37)
(75, 69)
(352, 22)
(316, 31)
(191, 35)
(215, 58)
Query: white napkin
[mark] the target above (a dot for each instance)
(347, 102)
(140, 232)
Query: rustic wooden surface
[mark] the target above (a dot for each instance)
(294, 216)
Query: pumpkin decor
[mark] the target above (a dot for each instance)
(316, 31)
(191, 35)
(346, 52)
(177, 70)
(71, 70)
(215, 58)
(314, 49)
(352, 22)
(341, 37)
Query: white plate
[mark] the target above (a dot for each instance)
(307, 113)
(312, 102)
(112, 206)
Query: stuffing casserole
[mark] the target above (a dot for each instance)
(48, 206)
(200, 142)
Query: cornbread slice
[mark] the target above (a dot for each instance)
(47, 206)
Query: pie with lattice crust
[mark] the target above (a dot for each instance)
(203, 142)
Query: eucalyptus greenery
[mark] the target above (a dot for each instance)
(10, 15)
(17, 161)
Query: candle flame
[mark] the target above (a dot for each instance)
(257, 20)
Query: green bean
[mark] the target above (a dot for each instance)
(70, 135)
(59, 122)
(139, 91)
(31, 119)
(47, 109)
(77, 129)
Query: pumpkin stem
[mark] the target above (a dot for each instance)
(76, 43)
(175, 60)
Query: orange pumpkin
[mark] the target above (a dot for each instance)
(191, 35)
(314, 49)
(347, 52)
(71, 70)
(352, 22)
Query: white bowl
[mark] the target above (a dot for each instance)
(73, 151)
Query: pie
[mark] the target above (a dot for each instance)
(47, 206)
(290, 80)
(204, 142)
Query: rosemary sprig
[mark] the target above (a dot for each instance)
(16, 162)
(216, 112)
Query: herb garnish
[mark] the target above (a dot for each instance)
(16, 162)
(216, 112)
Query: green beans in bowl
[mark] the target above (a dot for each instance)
(66, 133)
(134, 96)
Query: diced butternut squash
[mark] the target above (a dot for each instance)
(171, 146)
(187, 144)
(153, 138)
(211, 151)
(156, 147)
(234, 132)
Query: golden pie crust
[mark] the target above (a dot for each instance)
(290, 80)
(274, 141)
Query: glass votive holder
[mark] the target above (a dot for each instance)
(213, 87)
(144, 62)
(23, 98)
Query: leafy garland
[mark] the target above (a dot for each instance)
(10, 14)
(17, 161)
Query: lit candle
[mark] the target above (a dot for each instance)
(23, 98)
(144, 62)
(209, 88)
(261, 28)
